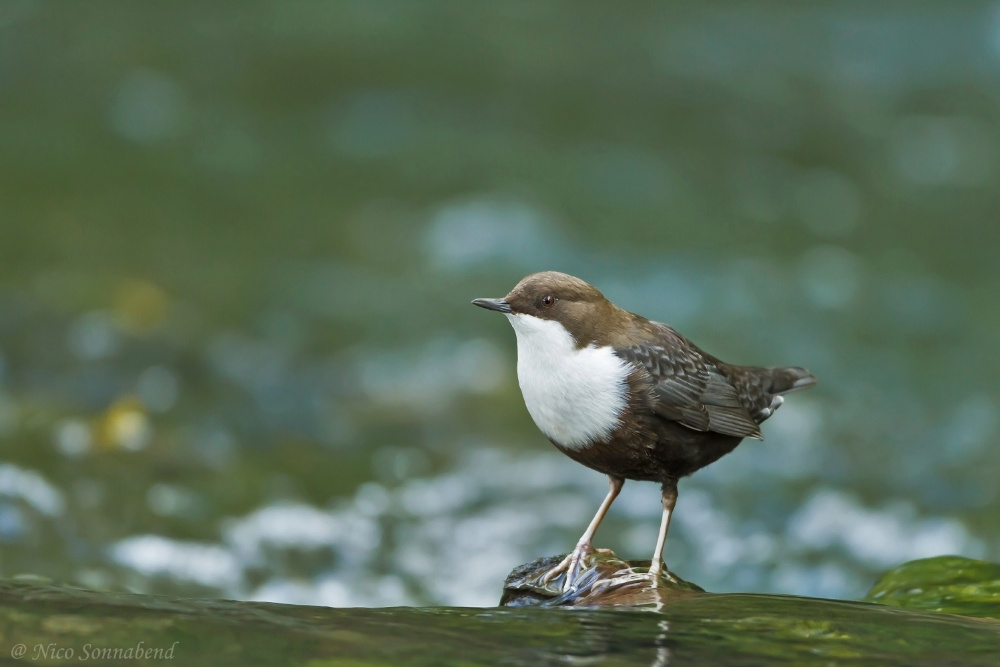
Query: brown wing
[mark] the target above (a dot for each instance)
(687, 385)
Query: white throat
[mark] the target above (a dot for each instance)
(575, 396)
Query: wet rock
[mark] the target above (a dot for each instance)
(604, 580)
(949, 584)
(42, 623)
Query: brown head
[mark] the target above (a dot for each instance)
(579, 307)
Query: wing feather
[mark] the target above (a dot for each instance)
(688, 387)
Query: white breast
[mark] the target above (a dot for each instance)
(574, 395)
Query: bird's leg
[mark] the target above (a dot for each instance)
(571, 563)
(669, 498)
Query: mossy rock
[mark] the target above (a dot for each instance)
(949, 584)
(687, 627)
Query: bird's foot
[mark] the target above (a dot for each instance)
(570, 565)
(658, 570)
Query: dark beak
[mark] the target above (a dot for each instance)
(498, 305)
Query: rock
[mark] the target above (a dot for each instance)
(604, 580)
(950, 584)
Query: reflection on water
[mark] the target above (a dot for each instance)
(236, 351)
(721, 629)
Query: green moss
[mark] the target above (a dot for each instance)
(949, 584)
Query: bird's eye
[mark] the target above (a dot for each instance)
(548, 300)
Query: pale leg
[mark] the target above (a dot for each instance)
(669, 498)
(571, 563)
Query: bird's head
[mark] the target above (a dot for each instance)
(551, 296)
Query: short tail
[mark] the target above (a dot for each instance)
(787, 380)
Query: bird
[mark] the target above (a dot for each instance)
(629, 397)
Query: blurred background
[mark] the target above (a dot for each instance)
(238, 243)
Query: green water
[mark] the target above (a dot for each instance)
(711, 629)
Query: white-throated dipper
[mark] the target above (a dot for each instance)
(629, 397)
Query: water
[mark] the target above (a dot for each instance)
(237, 246)
(729, 629)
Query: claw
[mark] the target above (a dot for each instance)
(570, 565)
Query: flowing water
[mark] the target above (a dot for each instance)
(54, 624)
